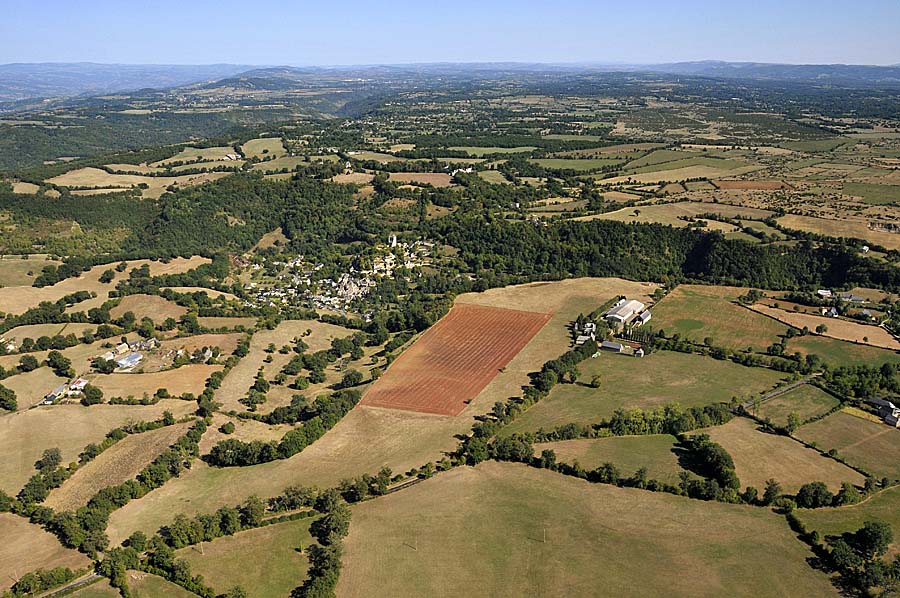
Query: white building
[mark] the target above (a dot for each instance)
(624, 311)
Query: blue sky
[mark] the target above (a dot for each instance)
(369, 32)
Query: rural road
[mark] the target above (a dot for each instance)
(82, 581)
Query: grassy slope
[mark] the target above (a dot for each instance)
(628, 453)
(806, 401)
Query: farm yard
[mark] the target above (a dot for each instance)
(452, 362)
(505, 529)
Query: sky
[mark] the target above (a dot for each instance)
(302, 33)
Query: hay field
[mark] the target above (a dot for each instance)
(26, 546)
(191, 154)
(759, 456)
(656, 453)
(288, 162)
(353, 178)
(837, 328)
(856, 229)
(702, 171)
(25, 435)
(15, 271)
(882, 506)
(226, 343)
(246, 430)
(36, 331)
(484, 529)
(225, 563)
(672, 213)
(836, 352)
(211, 293)
(188, 378)
(627, 382)
(807, 401)
(397, 439)
(493, 176)
(98, 589)
(874, 447)
(437, 179)
(264, 147)
(102, 181)
(697, 312)
(119, 463)
(148, 306)
(145, 585)
(484, 151)
(31, 387)
(366, 155)
(214, 322)
(18, 299)
(25, 188)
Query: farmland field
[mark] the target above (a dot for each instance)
(807, 401)
(512, 530)
(145, 585)
(26, 547)
(627, 382)
(25, 435)
(437, 179)
(874, 447)
(674, 213)
(15, 271)
(99, 589)
(452, 362)
(837, 352)
(31, 387)
(697, 312)
(264, 147)
(187, 378)
(759, 456)
(837, 328)
(628, 453)
(484, 151)
(148, 306)
(883, 506)
(225, 563)
(119, 463)
(855, 229)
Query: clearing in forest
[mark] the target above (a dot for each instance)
(759, 456)
(455, 359)
(511, 530)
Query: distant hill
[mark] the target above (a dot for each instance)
(20, 81)
(837, 74)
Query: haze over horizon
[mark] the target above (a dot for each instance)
(358, 33)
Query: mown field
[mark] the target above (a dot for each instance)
(148, 306)
(186, 379)
(806, 401)
(698, 312)
(655, 453)
(503, 529)
(264, 561)
(836, 328)
(874, 447)
(26, 547)
(759, 456)
(883, 506)
(836, 352)
(16, 270)
(627, 382)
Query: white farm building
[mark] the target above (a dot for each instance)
(624, 311)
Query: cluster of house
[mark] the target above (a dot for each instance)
(126, 355)
(850, 297)
(73, 388)
(889, 412)
(627, 312)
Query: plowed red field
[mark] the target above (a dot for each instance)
(455, 359)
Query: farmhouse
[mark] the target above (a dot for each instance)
(624, 311)
(642, 318)
(830, 312)
(130, 360)
(889, 412)
(76, 387)
(851, 298)
(824, 293)
(54, 394)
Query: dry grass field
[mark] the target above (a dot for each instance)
(629, 453)
(698, 312)
(509, 530)
(703, 171)
(211, 293)
(872, 446)
(857, 229)
(191, 154)
(15, 271)
(226, 343)
(117, 464)
(354, 178)
(36, 331)
(25, 188)
(837, 328)
(31, 387)
(25, 435)
(264, 147)
(837, 352)
(671, 213)
(759, 456)
(807, 401)
(101, 181)
(214, 323)
(400, 440)
(288, 162)
(26, 546)
(99, 589)
(627, 382)
(437, 179)
(224, 562)
(145, 585)
(148, 306)
(188, 378)
(246, 430)
(882, 506)
(17, 299)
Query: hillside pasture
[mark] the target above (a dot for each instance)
(436, 179)
(119, 463)
(284, 162)
(16, 271)
(697, 312)
(806, 401)
(197, 154)
(855, 229)
(31, 387)
(836, 352)
(655, 453)
(264, 147)
(26, 547)
(882, 506)
(871, 446)
(145, 585)
(211, 293)
(759, 456)
(226, 343)
(148, 306)
(25, 435)
(836, 328)
(486, 151)
(652, 381)
(675, 214)
(224, 562)
(99, 179)
(217, 322)
(36, 331)
(187, 378)
(511, 530)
